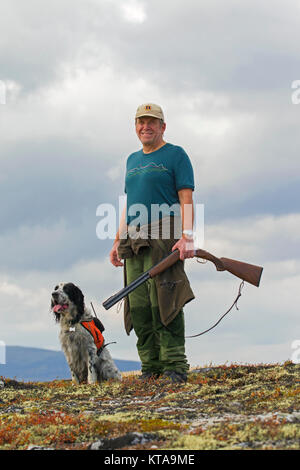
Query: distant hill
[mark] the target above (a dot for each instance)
(34, 364)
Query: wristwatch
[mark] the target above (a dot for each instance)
(189, 234)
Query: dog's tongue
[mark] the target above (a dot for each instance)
(57, 308)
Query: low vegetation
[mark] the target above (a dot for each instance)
(220, 407)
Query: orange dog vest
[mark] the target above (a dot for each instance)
(95, 332)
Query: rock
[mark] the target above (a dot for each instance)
(290, 417)
(34, 447)
(201, 370)
(235, 404)
(130, 439)
(245, 445)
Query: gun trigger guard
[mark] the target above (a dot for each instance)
(204, 261)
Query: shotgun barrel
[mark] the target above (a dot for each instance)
(248, 272)
(125, 291)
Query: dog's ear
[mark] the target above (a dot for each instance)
(75, 295)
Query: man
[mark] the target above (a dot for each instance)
(159, 185)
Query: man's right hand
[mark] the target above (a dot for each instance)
(113, 255)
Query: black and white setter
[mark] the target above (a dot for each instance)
(89, 360)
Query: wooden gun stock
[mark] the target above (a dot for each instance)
(248, 272)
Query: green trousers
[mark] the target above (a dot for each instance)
(160, 348)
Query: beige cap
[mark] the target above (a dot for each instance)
(150, 109)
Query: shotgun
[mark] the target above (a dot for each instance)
(248, 272)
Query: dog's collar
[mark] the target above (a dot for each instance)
(69, 328)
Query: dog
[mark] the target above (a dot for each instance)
(87, 362)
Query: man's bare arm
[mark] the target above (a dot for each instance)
(186, 245)
(113, 255)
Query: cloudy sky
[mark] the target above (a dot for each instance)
(72, 74)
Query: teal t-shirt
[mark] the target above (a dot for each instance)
(153, 181)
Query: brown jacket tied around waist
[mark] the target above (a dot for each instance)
(173, 287)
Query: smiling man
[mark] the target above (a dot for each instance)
(159, 185)
(150, 131)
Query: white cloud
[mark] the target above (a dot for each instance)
(134, 11)
(93, 106)
(260, 237)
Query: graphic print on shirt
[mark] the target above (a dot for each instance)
(146, 169)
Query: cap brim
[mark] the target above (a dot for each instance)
(148, 114)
